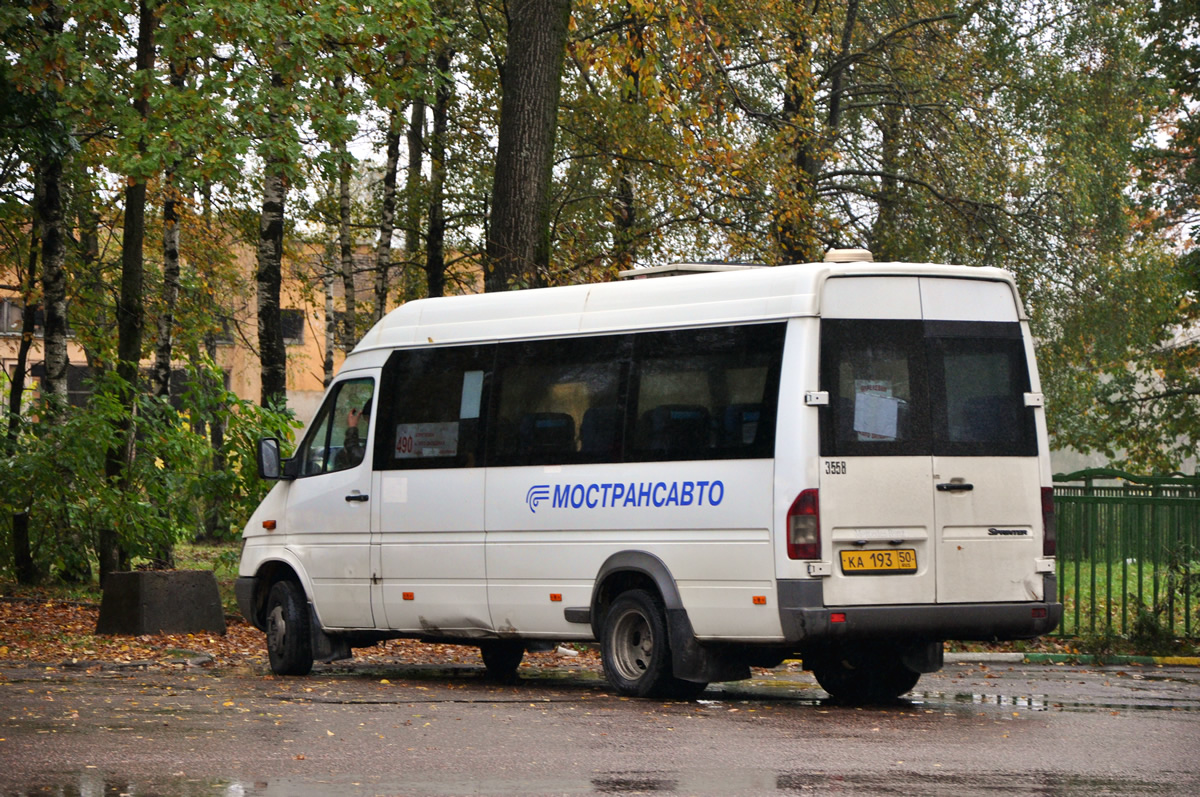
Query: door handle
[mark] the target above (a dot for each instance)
(955, 487)
(357, 497)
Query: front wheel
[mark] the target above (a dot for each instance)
(289, 639)
(864, 674)
(636, 652)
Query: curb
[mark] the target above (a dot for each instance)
(1071, 658)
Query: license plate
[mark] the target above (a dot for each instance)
(869, 563)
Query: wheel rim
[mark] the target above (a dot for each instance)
(633, 645)
(276, 629)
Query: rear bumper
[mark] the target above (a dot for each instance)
(805, 617)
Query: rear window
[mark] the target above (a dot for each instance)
(913, 388)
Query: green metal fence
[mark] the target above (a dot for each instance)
(1128, 553)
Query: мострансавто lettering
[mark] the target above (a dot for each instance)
(620, 494)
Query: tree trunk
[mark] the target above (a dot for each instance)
(170, 292)
(54, 285)
(795, 209)
(214, 523)
(387, 215)
(330, 313)
(435, 242)
(164, 555)
(170, 289)
(518, 244)
(130, 311)
(23, 563)
(414, 207)
(625, 215)
(49, 217)
(269, 275)
(346, 251)
(885, 234)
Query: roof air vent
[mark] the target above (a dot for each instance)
(849, 256)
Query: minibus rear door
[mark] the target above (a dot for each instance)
(987, 491)
(929, 469)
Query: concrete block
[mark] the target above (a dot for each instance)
(161, 602)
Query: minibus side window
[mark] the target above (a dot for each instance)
(560, 401)
(433, 407)
(338, 439)
(706, 393)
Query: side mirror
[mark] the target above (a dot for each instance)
(268, 458)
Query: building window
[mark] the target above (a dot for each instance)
(225, 336)
(292, 322)
(79, 388)
(11, 311)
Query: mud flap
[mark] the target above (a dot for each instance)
(691, 661)
(922, 657)
(325, 647)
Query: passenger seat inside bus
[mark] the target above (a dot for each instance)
(600, 434)
(675, 430)
(739, 425)
(543, 433)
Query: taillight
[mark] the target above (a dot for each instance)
(1049, 525)
(804, 527)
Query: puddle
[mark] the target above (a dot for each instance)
(724, 782)
(1032, 783)
(634, 783)
(1048, 703)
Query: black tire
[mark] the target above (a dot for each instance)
(864, 674)
(502, 657)
(289, 637)
(636, 650)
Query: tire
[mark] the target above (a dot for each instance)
(864, 674)
(289, 638)
(636, 651)
(502, 657)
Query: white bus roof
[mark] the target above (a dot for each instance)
(707, 299)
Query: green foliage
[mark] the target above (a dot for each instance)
(1118, 365)
(234, 489)
(175, 477)
(1103, 644)
(1150, 635)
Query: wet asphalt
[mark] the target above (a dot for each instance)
(974, 728)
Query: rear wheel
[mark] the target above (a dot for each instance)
(502, 657)
(636, 651)
(864, 674)
(289, 639)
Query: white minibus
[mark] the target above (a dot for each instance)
(844, 462)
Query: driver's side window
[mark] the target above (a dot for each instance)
(338, 438)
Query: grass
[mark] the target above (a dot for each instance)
(1111, 604)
